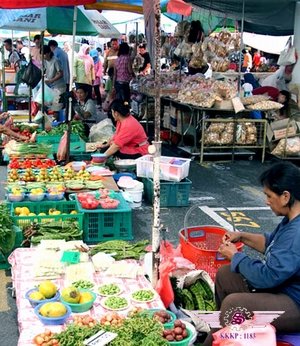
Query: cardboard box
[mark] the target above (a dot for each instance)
(281, 128)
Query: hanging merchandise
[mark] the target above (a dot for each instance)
(288, 55)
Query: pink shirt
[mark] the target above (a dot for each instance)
(131, 137)
(122, 70)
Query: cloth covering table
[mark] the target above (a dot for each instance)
(23, 279)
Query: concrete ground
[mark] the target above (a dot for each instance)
(233, 185)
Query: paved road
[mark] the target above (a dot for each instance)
(233, 185)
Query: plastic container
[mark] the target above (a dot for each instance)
(65, 207)
(14, 198)
(81, 307)
(107, 224)
(168, 325)
(172, 194)
(78, 165)
(36, 198)
(184, 342)
(76, 143)
(34, 303)
(171, 168)
(98, 158)
(53, 321)
(55, 197)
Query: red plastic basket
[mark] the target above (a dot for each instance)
(200, 244)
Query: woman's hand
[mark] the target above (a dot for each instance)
(77, 117)
(227, 250)
(232, 237)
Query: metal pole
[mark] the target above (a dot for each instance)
(241, 46)
(69, 115)
(43, 78)
(157, 145)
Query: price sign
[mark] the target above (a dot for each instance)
(101, 338)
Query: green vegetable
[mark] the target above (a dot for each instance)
(109, 289)
(7, 232)
(116, 303)
(121, 249)
(84, 284)
(187, 300)
(208, 292)
(143, 295)
(198, 298)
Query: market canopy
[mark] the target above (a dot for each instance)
(58, 20)
(15, 4)
(272, 17)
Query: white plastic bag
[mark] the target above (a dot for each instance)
(49, 94)
(39, 118)
(288, 55)
(102, 132)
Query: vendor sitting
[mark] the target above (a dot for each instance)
(130, 140)
(85, 109)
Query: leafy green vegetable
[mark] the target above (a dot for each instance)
(7, 232)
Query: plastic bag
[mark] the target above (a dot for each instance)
(49, 94)
(39, 118)
(32, 75)
(62, 148)
(288, 55)
(102, 132)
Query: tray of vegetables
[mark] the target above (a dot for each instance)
(115, 303)
(143, 296)
(108, 290)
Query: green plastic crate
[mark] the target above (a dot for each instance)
(107, 224)
(172, 194)
(80, 156)
(65, 207)
(76, 143)
(18, 241)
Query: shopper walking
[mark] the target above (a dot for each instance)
(98, 76)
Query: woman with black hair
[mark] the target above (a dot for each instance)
(130, 139)
(273, 283)
(123, 73)
(284, 97)
(85, 109)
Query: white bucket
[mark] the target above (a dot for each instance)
(136, 193)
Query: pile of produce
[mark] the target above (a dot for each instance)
(121, 249)
(27, 163)
(68, 230)
(178, 333)
(77, 128)
(198, 296)
(7, 232)
(27, 150)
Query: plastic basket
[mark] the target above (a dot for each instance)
(18, 241)
(76, 143)
(65, 207)
(200, 245)
(107, 224)
(171, 168)
(172, 194)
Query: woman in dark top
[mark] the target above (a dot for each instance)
(145, 69)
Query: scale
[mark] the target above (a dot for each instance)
(101, 338)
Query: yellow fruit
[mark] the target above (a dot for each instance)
(25, 210)
(18, 210)
(42, 214)
(48, 289)
(36, 295)
(85, 297)
(23, 214)
(55, 309)
(31, 214)
(71, 295)
(73, 212)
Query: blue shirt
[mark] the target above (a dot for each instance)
(63, 59)
(280, 269)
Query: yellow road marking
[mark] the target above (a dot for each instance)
(3, 291)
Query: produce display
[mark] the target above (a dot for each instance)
(112, 319)
(73, 295)
(121, 249)
(115, 303)
(27, 150)
(266, 106)
(7, 233)
(93, 201)
(45, 290)
(178, 333)
(109, 290)
(162, 316)
(67, 230)
(30, 163)
(77, 128)
(143, 296)
(85, 284)
(198, 296)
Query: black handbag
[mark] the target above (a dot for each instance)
(32, 75)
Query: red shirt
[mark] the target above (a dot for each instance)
(131, 137)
